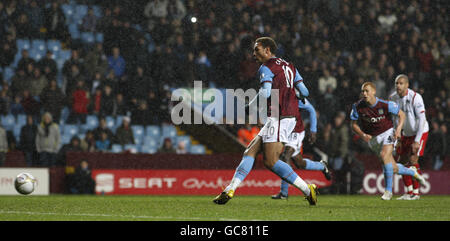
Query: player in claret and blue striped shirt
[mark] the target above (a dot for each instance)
(371, 119)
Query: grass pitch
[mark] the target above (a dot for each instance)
(201, 208)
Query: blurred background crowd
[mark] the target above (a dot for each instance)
(121, 58)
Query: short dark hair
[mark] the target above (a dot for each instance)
(268, 42)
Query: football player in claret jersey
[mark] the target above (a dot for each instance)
(415, 132)
(274, 73)
(293, 150)
(371, 119)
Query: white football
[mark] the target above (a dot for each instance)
(25, 183)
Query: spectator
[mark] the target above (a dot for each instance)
(25, 61)
(95, 62)
(36, 16)
(30, 104)
(89, 21)
(88, 143)
(142, 115)
(53, 100)
(103, 144)
(27, 142)
(140, 84)
(181, 148)
(73, 146)
(387, 20)
(48, 65)
(339, 140)
(47, 141)
(55, 22)
(3, 145)
(71, 81)
(16, 107)
(38, 83)
(120, 107)
(247, 133)
(8, 50)
(116, 62)
(81, 182)
(167, 146)
(5, 102)
(102, 128)
(24, 28)
(327, 81)
(79, 101)
(124, 134)
(437, 146)
(107, 101)
(19, 82)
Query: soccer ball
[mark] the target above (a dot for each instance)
(25, 183)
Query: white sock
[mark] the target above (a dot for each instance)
(302, 185)
(233, 184)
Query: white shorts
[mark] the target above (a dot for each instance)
(276, 130)
(295, 140)
(385, 138)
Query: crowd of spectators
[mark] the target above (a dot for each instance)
(152, 46)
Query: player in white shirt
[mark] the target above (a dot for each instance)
(415, 132)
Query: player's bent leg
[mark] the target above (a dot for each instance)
(244, 167)
(284, 189)
(414, 161)
(285, 171)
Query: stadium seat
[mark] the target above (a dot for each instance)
(149, 149)
(81, 10)
(16, 131)
(16, 60)
(70, 129)
(8, 121)
(73, 30)
(65, 138)
(149, 141)
(54, 46)
(37, 54)
(138, 134)
(68, 11)
(8, 73)
(99, 37)
(91, 122)
(116, 148)
(185, 139)
(65, 112)
(64, 54)
(21, 119)
(87, 37)
(97, 11)
(118, 121)
(132, 148)
(110, 122)
(39, 44)
(153, 131)
(22, 44)
(197, 149)
(169, 131)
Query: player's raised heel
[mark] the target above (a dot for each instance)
(312, 198)
(224, 197)
(417, 176)
(325, 171)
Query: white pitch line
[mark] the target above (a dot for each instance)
(116, 216)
